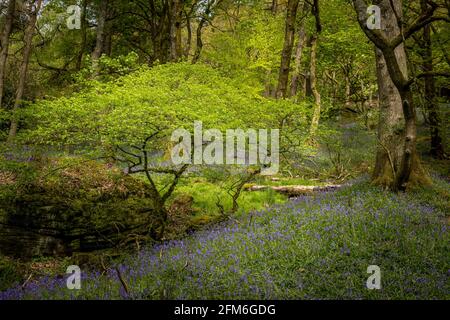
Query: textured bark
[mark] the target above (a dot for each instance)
(5, 45)
(398, 165)
(289, 36)
(390, 127)
(28, 39)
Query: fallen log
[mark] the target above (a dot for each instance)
(296, 190)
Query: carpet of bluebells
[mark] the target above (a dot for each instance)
(313, 247)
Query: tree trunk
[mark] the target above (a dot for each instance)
(5, 45)
(187, 49)
(390, 127)
(315, 92)
(199, 47)
(298, 60)
(348, 90)
(313, 71)
(83, 31)
(268, 87)
(28, 38)
(288, 45)
(307, 85)
(274, 7)
(397, 165)
(175, 29)
(83, 36)
(437, 148)
(100, 40)
(107, 39)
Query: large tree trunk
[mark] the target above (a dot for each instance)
(390, 127)
(288, 45)
(397, 164)
(28, 38)
(437, 148)
(160, 30)
(5, 45)
(176, 11)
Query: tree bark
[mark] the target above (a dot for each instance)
(100, 40)
(160, 30)
(187, 48)
(289, 35)
(346, 69)
(313, 71)
(390, 127)
(5, 45)
(199, 41)
(208, 15)
(175, 29)
(83, 36)
(298, 60)
(107, 41)
(274, 7)
(315, 91)
(295, 191)
(398, 165)
(28, 39)
(437, 147)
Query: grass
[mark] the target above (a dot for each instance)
(206, 195)
(311, 248)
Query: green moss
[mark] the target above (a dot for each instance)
(10, 274)
(85, 204)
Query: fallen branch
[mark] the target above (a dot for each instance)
(292, 191)
(122, 281)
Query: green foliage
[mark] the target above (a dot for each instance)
(110, 69)
(207, 194)
(161, 99)
(251, 54)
